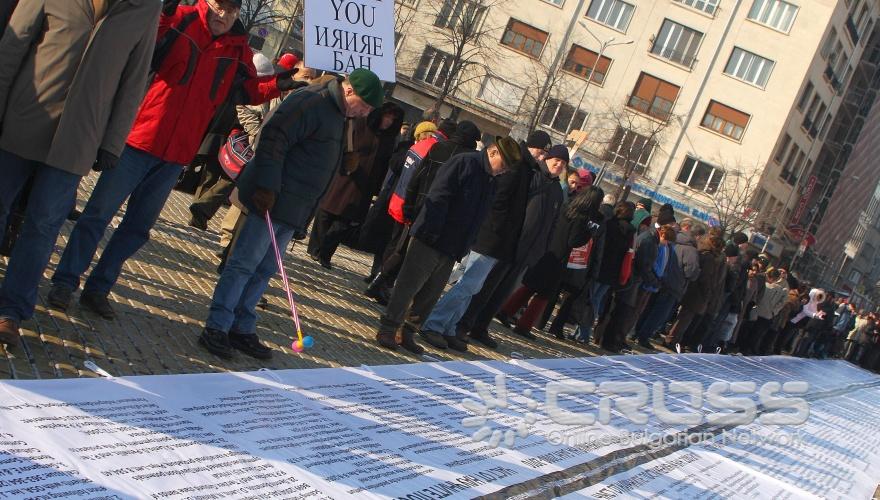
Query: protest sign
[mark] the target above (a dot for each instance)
(343, 35)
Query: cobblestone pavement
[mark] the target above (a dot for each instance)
(163, 295)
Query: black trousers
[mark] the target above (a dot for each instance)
(328, 232)
(395, 252)
(213, 191)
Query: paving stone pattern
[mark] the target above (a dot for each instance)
(162, 299)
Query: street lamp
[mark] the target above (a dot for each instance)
(603, 46)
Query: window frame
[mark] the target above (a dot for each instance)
(584, 77)
(558, 106)
(739, 63)
(634, 97)
(748, 119)
(612, 155)
(522, 50)
(767, 8)
(679, 32)
(691, 5)
(601, 7)
(483, 86)
(705, 189)
(433, 57)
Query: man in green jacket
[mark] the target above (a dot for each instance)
(299, 149)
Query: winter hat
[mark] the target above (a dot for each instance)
(287, 61)
(263, 64)
(731, 250)
(557, 151)
(666, 215)
(424, 128)
(367, 86)
(468, 133)
(585, 178)
(447, 127)
(541, 140)
(509, 150)
(645, 202)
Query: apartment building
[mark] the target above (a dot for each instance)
(677, 97)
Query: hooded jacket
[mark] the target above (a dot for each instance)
(456, 205)
(71, 84)
(299, 150)
(194, 79)
(688, 256)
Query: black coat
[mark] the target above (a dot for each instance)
(647, 247)
(545, 200)
(456, 205)
(545, 277)
(378, 225)
(501, 231)
(617, 242)
(420, 183)
(709, 282)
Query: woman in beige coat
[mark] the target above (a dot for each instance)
(72, 75)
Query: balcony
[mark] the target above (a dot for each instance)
(851, 30)
(675, 56)
(660, 108)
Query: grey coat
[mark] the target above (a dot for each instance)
(71, 84)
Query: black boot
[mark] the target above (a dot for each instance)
(409, 342)
(376, 290)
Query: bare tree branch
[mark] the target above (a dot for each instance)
(258, 13)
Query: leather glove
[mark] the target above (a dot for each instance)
(285, 82)
(170, 7)
(105, 161)
(263, 200)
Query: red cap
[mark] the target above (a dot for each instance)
(288, 61)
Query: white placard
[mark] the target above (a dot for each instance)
(343, 35)
(399, 432)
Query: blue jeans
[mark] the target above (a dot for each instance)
(47, 209)
(452, 306)
(597, 297)
(656, 316)
(244, 280)
(149, 181)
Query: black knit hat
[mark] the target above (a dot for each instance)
(539, 139)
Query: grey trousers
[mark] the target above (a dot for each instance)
(419, 284)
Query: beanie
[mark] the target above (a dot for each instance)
(557, 151)
(424, 128)
(665, 217)
(645, 202)
(447, 127)
(367, 86)
(468, 131)
(539, 139)
(287, 61)
(263, 64)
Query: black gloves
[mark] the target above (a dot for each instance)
(285, 82)
(105, 161)
(170, 7)
(263, 200)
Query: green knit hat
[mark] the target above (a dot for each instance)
(367, 86)
(509, 150)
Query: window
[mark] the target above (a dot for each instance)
(792, 165)
(677, 43)
(700, 175)
(725, 120)
(776, 14)
(557, 3)
(463, 15)
(613, 13)
(781, 150)
(562, 117)
(749, 67)
(630, 150)
(805, 96)
(433, 67)
(813, 116)
(524, 38)
(707, 6)
(581, 62)
(653, 96)
(501, 93)
(829, 43)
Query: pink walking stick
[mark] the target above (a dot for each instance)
(301, 343)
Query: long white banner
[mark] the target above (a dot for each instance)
(661, 426)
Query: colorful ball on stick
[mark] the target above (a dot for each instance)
(301, 345)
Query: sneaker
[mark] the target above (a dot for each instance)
(98, 304)
(9, 331)
(250, 345)
(525, 333)
(59, 297)
(216, 342)
(484, 338)
(435, 339)
(456, 344)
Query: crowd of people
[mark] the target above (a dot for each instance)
(464, 228)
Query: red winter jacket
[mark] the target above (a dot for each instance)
(193, 80)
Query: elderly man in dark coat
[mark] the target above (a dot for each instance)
(92, 59)
(446, 227)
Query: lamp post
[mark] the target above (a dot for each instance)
(603, 46)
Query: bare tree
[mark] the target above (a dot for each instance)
(630, 134)
(543, 84)
(259, 13)
(461, 32)
(732, 200)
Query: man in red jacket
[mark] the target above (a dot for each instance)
(201, 58)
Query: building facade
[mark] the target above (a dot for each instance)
(720, 107)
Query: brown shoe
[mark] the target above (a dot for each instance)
(387, 340)
(9, 333)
